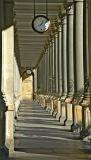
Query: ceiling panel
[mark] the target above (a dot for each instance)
(31, 44)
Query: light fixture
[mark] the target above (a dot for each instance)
(29, 71)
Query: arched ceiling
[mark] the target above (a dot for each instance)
(29, 44)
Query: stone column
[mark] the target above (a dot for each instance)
(78, 52)
(8, 73)
(59, 69)
(48, 70)
(64, 54)
(56, 60)
(35, 83)
(47, 76)
(53, 74)
(17, 87)
(53, 68)
(78, 45)
(89, 48)
(64, 68)
(3, 108)
(51, 64)
(60, 58)
(70, 66)
(86, 101)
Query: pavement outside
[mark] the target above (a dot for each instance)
(39, 136)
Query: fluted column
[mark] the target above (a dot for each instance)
(70, 66)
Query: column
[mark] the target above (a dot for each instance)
(64, 68)
(86, 101)
(70, 66)
(78, 52)
(53, 67)
(89, 48)
(17, 87)
(78, 45)
(59, 69)
(8, 86)
(64, 54)
(45, 79)
(60, 58)
(53, 75)
(55, 71)
(51, 64)
(56, 60)
(43, 74)
(47, 76)
(35, 83)
(3, 108)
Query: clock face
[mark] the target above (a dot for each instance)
(40, 23)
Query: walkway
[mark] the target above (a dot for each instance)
(39, 136)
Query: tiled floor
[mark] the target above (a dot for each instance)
(39, 136)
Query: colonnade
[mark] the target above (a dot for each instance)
(63, 72)
(62, 80)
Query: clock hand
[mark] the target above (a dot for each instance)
(40, 24)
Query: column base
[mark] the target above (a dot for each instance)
(76, 128)
(68, 122)
(58, 116)
(51, 111)
(45, 107)
(10, 145)
(4, 153)
(48, 109)
(87, 139)
(9, 135)
(85, 133)
(54, 114)
(62, 120)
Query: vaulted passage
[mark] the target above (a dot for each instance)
(45, 79)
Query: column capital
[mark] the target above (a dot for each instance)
(59, 28)
(64, 19)
(70, 10)
(56, 34)
(52, 39)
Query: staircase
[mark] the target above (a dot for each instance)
(39, 136)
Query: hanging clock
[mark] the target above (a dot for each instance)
(40, 23)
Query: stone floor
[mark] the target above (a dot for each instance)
(39, 136)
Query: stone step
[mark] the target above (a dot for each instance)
(39, 136)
